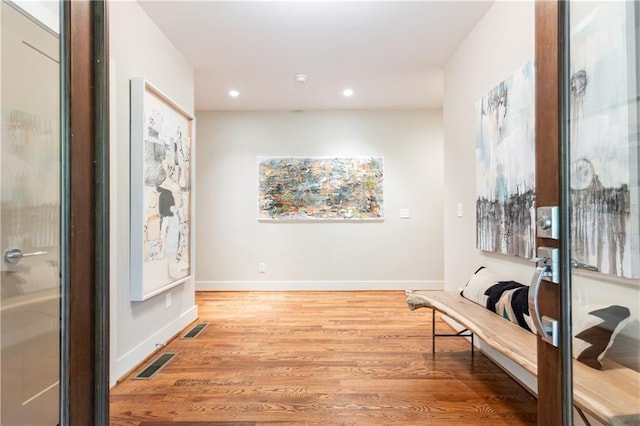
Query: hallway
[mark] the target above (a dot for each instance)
(319, 358)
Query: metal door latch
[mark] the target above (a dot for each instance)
(14, 256)
(546, 327)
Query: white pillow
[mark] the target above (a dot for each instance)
(479, 283)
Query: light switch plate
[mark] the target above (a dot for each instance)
(404, 213)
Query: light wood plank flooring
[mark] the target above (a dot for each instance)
(333, 358)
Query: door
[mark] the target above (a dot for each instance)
(602, 189)
(587, 79)
(30, 216)
(551, 385)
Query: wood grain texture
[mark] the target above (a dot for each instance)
(352, 358)
(502, 335)
(548, 194)
(611, 395)
(85, 314)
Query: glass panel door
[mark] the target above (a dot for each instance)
(30, 214)
(604, 44)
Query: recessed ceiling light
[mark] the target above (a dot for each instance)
(234, 93)
(301, 78)
(348, 93)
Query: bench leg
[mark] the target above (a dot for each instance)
(584, 418)
(462, 333)
(473, 347)
(433, 331)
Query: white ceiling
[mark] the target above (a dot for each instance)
(391, 53)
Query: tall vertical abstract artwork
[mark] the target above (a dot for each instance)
(294, 188)
(161, 137)
(604, 141)
(505, 166)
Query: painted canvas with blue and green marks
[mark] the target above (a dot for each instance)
(312, 188)
(505, 166)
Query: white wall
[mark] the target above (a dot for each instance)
(501, 42)
(394, 254)
(139, 49)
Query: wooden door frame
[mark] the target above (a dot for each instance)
(555, 389)
(84, 245)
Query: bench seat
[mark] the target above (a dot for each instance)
(611, 395)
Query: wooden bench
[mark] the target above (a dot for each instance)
(611, 395)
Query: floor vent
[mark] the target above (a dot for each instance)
(195, 331)
(155, 366)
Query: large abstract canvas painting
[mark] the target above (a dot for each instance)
(161, 138)
(505, 166)
(604, 141)
(294, 188)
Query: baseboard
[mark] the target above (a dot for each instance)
(129, 361)
(318, 285)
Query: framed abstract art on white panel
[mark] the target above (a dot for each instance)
(161, 199)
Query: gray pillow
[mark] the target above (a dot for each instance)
(595, 328)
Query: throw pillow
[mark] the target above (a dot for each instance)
(509, 299)
(477, 286)
(595, 328)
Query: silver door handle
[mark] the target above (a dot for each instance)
(546, 327)
(580, 265)
(15, 255)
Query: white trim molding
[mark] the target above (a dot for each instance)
(129, 361)
(296, 285)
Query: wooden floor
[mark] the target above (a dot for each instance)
(333, 358)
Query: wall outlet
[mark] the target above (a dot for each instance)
(459, 209)
(404, 213)
(262, 267)
(167, 300)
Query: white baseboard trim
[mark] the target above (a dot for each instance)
(135, 356)
(318, 285)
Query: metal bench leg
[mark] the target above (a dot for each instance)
(473, 347)
(462, 333)
(584, 418)
(433, 331)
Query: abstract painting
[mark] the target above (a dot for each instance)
(505, 166)
(293, 188)
(605, 196)
(161, 138)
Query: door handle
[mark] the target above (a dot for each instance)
(546, 327)
(14, 256)
(586, 267)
